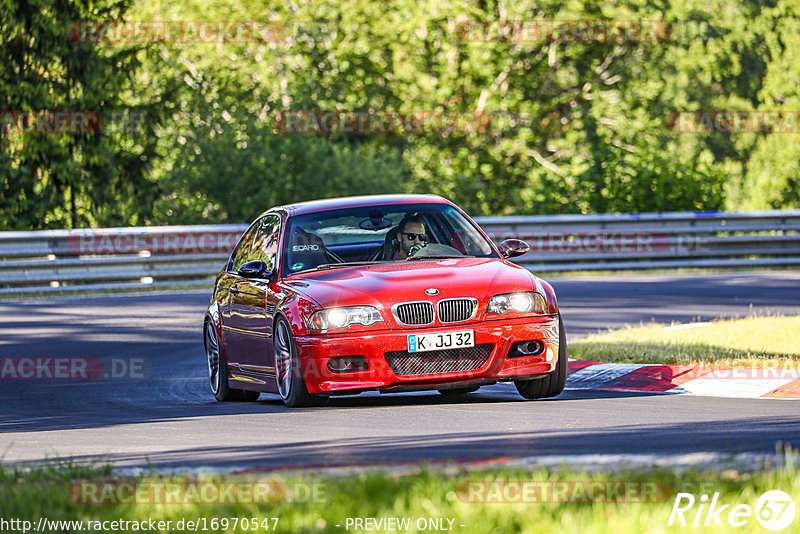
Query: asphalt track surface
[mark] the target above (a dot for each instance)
(170, 420)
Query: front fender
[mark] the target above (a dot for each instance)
(550, 296)
(295, 308)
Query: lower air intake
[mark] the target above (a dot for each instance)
(405, 363)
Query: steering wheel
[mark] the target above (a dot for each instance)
(416, 249)
(433, 249)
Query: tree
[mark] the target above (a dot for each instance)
(92, 175)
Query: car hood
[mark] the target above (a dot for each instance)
(385, 284)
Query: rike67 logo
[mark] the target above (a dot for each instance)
(774, 510)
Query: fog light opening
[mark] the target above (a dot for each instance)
(533, 347)
(347, 364)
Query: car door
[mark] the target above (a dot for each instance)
(253, 307)
(227, 290)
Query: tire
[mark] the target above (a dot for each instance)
(291, 383)
(459, 392)
(218, 370)
(552, 384)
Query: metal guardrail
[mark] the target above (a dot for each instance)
(121, 258)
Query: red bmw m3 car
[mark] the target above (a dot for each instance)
(389, 293)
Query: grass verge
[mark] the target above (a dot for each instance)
(457, 499)
(772, 341)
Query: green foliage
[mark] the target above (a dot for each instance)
(622, 498)
(71, 179)
(240, 170)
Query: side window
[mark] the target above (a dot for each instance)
(239, 255)
(265, 244)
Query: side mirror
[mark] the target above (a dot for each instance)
(511, 248)
(254, 269)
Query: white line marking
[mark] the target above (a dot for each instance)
(731, 387)
(595, 376)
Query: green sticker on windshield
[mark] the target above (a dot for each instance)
(297, 266)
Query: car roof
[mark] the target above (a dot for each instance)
(314, 206)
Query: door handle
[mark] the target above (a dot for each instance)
(234, 290)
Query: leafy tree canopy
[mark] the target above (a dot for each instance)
(575, 125)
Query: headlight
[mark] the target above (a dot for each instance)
(528, 302)
(331, 318)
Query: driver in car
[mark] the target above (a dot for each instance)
(411, 231)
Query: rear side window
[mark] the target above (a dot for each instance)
(265, 244)
(239, 256)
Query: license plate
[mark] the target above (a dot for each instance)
(441, 341)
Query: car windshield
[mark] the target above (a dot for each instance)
(378, 234)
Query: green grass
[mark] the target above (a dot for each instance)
(772, 341)
(429, 493)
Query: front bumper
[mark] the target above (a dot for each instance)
(315, 351)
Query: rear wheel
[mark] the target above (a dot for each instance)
(218, 370)
(552, 384)
(291, 384)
